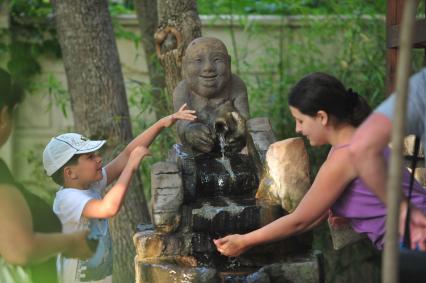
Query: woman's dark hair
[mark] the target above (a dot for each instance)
(319, 91)
(10, 92)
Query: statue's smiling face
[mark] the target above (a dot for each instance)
(206, 67)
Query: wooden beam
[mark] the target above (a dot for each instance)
(393, 17)
(419, 39)
(390, 258)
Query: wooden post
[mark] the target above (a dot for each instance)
(393, 17)
(390, 270)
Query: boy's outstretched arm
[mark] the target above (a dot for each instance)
(145, 139)
(111, 203)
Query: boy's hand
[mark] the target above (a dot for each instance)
(137, 155)
(182, 114)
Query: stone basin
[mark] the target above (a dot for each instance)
(302, 268)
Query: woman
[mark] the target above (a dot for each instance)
(23, 215)
(327, 113)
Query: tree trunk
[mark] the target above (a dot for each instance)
(179, 24)
(99, 106)
(148, 21)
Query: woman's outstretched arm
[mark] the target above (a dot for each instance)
(331, 180)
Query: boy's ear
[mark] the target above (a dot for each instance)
(69, 173)
(323, 116)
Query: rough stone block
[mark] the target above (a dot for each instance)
(173, 269)
(164, 167)
(165, 180)
(286, 178)
(167, 199)
(409, 146)
(166, 222)
(151, 244)
(259, 124)
(420, 176)
(305, 270)
(343, 236)
(261, 133)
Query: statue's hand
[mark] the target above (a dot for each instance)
(236, 143)
(236, 137)
(199, 137)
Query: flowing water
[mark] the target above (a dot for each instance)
(224, 160)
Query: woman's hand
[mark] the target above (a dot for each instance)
(182, 114)
(232, 245)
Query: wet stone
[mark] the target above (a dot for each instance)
(173, 270)
(261, 132)
(151, 244)
(223, 215)
(187, 167)
(202, 243)
(166, 222)
(167, 196)
(164, 168)
(302, 270)
(233, 175)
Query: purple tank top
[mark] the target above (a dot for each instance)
(367, 214)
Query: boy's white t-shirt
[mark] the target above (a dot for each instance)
(68, 206)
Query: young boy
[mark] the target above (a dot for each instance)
(73, 163)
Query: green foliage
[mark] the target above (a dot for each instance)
(287, 54)
(141, 101)
(52, 87)
(31, 34)
(39, 183)
(290, 7)
(351, 49)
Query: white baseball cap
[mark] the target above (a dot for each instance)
(62, 148)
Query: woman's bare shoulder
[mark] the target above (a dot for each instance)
(339, 160)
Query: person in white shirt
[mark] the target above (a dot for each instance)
(375, 134)
(73, 162)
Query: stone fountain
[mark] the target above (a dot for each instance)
(224, 177)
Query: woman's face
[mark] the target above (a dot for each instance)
(311, 127)
(5, 125)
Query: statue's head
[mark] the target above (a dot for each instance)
(206, 66)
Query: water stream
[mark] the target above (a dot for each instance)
(224, 160)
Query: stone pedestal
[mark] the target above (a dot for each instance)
(201, 197)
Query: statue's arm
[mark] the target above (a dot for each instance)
(239, 97)
(180, 97)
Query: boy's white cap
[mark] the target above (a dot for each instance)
(62, 148)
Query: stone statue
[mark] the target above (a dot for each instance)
(218, 96)
(199, 195)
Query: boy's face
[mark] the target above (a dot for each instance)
(87, 170)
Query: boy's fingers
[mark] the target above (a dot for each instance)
(183, 107)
